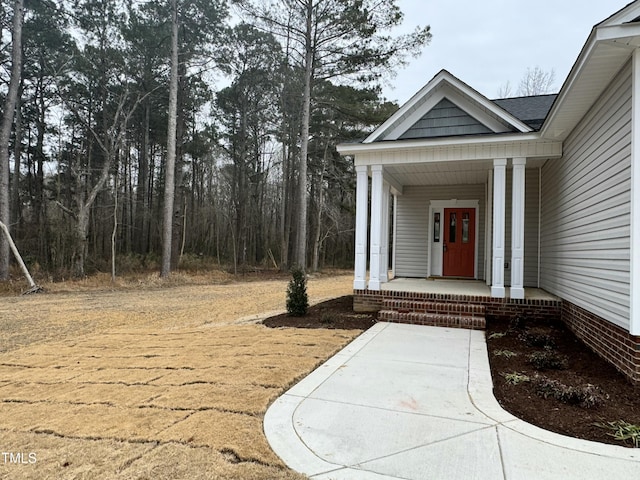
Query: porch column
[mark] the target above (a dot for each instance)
(384, 247)
(376, 227)
(362, 204)
(499, 193)
(488, 249)
(517, 228)
(395, 234)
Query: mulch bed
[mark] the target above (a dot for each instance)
(580, 370)
(337, 313)
(533, 400)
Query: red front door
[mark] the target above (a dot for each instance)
(459, 242)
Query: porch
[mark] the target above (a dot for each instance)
(452, 303)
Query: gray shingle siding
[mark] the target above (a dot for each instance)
(444, 120)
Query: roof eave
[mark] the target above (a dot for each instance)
(412, 144)
(580, 90)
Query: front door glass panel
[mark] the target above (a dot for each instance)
(452, 227)
(465, 227)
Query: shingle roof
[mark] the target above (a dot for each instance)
(530, 110)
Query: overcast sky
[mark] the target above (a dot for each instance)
(488, 42)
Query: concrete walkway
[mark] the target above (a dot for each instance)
(415, 402)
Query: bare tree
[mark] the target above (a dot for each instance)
(5, 129)
(110, 147)
(536, 82)
(169, 185)
(505, 90)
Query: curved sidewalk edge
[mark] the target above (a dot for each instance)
(525, 451)
(481, 394)
(278, 420)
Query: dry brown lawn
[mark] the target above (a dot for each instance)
(162, 383)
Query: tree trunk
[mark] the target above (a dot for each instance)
(81, 241)
(169, 178)
(320, 210)
(301, 253)
(284, 237)
(114, 232)
(17, 150)
(5, 130)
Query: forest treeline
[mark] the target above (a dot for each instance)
(265, 91)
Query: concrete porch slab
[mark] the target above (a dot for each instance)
(444, 286)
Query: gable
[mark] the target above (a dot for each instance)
(464, 112)
(445, 119)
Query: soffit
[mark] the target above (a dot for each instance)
(446, 173)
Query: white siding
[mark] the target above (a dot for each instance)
(585, 209)
(412, 241)
(531, 220)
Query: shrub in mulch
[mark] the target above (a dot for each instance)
(537, 338)
(297, 298)
(585, 396)
(548, 359)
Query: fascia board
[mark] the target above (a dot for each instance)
(622, 35)
(627, 34)
(355, 148)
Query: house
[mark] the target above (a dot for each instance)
(531, 205)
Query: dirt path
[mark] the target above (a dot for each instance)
(164, 384)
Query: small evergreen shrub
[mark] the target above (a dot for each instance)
(585, 396)
(547, 359)
(537, 338)
(297, 298)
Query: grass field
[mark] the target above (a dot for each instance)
(160, 383)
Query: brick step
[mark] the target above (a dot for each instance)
(441, 308)
(473, 322)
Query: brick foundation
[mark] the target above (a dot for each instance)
(371, 301)
(611, 342)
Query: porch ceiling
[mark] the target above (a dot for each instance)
(446, 173)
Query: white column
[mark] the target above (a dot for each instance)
(634, 290)
(499, 193)
(384, 247)
(489, 230)
(395, 235)
(376, 227)
(517, 228)
(362, 205)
